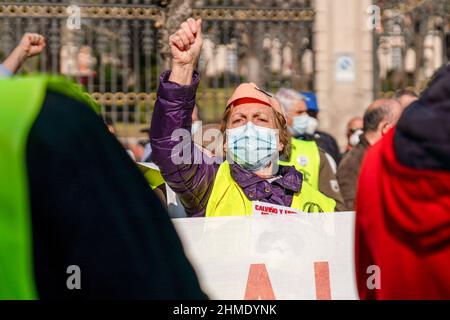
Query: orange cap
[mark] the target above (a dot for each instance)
(250, 91)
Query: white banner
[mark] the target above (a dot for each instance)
(283, 257)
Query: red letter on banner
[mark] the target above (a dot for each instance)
(258, 284)
(322, 275)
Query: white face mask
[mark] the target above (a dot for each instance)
(304, 124)
(252, 147)
(355, 138)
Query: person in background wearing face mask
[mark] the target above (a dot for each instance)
(325, 141)
(354, 131)
(317, 167)
(378, 119)
(256, 134)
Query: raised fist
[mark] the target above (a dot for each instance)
(31, 44)
(186, 43)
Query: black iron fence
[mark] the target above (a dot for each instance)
(117, 48)
(411, 43)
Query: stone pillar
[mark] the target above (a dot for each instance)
(341, 31)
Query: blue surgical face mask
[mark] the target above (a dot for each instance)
(303, 124)
(252, 147)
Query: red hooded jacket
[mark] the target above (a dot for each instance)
(403, 227)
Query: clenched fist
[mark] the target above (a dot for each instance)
(32, 44)
(186, 43)
(186, 46)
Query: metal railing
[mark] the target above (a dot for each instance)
(411, 43)
(120, 47)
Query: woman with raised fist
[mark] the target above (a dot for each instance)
(255, 134)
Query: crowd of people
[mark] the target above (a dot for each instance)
(267, 148)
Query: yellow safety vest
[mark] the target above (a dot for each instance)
(21, 102)
(228, 199)
(153, 176)
(305, 158)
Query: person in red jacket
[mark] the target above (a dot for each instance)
(403, 204)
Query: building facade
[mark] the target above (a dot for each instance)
(347, 51)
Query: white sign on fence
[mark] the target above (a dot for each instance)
(303, 256)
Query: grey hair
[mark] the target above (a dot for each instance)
(288, 98)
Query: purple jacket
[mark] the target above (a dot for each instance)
(194, 182)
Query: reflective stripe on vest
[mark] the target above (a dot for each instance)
(228, 199)
(20, 104)
(305, 158)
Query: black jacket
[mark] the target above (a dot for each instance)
(422, 138)
(91, 207)
(327, 143)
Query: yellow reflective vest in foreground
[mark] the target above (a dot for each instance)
(228, 199)
(151, 174)
(305, 158)
(20, 104)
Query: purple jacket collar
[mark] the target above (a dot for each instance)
(256, 188)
